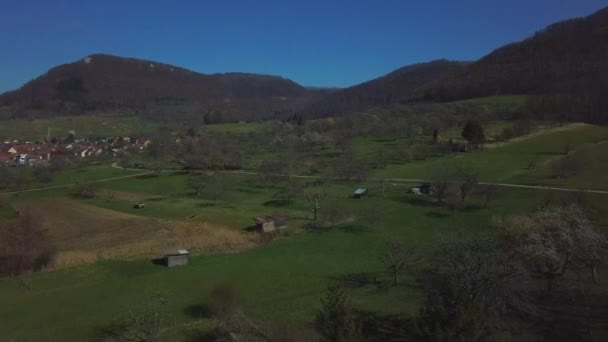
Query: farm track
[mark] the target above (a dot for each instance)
(414, 180)
(251, 173)
(71, 184)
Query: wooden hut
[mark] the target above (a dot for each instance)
(176, 257)
(270, 223)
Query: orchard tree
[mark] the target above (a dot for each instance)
(314, 200)
(396, 258)
(467, 180)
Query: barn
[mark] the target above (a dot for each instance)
(270, 223)
(177, 257)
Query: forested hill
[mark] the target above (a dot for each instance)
(104, 83)
(567, 63)
(565, 55)
(399, 85)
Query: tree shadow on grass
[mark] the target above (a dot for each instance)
(353, 228)
(146, 176)
(437, 214)
(471, 208)
(377, 327)
(198, 311)
(418, 201)
(357, 280)
(248, 190)
(276, 203)
(550, 153)
(178, 173)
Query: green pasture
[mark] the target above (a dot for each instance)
(280, 282)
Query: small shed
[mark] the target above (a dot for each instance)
(425, 188)
(177, 257)
(360, 193)
(270, 223)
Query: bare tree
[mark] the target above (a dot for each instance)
(144, 322)
(217, 187)
(396, 258)
(125, 159)
(442, 175)
(488, 192)
(233, 323)
(467, 181)
(373, 214)
(333, 213)
(314, 200)
(197, 182)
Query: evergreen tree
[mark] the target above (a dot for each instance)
(473, 133)
(336, 321)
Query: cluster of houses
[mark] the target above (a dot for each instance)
(17, 153)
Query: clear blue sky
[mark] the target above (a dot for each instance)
(313, 42)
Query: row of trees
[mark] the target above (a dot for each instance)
(457, 183)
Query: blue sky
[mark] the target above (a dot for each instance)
(313, 42)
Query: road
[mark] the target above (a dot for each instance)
(71, 184)
(391, 180)
(414, 180)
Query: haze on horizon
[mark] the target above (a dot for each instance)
(314, 43)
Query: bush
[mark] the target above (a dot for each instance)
(85, 190)
(43, 174)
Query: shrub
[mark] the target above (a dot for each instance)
(85, 190)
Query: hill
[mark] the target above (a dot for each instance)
(567, 60)
(104, 83)
(397, 86)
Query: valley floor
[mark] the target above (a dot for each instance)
(280, 281)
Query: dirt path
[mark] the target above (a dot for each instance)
(415, 180)
(394, 180)
(71, 184)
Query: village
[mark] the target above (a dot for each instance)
(26, 153)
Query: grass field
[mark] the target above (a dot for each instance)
(37, 130)
(281, 281)
(509, 161)
(295, 271)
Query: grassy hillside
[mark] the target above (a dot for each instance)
(83, 126)
(506, 161)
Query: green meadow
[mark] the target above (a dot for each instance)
(282, 281)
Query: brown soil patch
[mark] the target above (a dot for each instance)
(82, 234)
